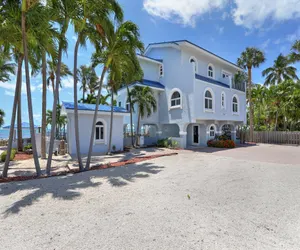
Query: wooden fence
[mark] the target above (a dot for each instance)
(276, 137)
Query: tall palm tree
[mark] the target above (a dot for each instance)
(146, 102)
(64, 11)
(295, 55)
(26, 5)
(258, 99)
(280, 71)
(2, 114)
(89, 80)
(121, 45)
(251, 58)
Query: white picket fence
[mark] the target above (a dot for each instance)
(276, 137)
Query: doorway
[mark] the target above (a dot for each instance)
(196, 139)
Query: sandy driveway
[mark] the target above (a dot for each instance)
(234, 204)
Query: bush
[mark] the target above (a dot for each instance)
(28, 146)
(12, 155)
(221, 143)
(167, 143)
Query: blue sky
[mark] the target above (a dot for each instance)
(225, 27)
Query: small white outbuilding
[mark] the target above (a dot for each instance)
(85, 120)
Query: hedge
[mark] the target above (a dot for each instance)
(12, 155)
(167, 143)
(221, 143)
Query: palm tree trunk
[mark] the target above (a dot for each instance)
(138, 129)
(19, 121)
(276, 120)
(54, 111)
(131, 119)
(30, 112)
(88, 161)
(76, 107)
(44, 107)
(251, 113)
(13, 118)
(111, 123)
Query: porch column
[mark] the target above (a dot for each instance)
(183, 142)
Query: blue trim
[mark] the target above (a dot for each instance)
(180, 41)
(207, 79)
(147, 83)
(91, 107)
(156, 60)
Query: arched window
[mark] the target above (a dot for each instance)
(210, 71)
(212, 131)
(176, 99)
(100, 132)
(235, 105)
(223, 101)
(193, 61)
(208, 100)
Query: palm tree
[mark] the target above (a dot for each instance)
(251, 58)
(64, 72)
(104, 98)
(89, 80)
(146, 102)
(6, 67)
(121, 45)
(2, 114)
(280, 71)
(295, 55)
(26, 5)
(258, 99)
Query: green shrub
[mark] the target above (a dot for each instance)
(167, 143)
(28, 146)
(12, 155)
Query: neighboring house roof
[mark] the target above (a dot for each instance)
(25, 125)
(182, 42)
(147, 83)
(91, 107)
(207, 79)
(150, 59)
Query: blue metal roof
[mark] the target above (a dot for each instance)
(207, 79)
(147, 83)
(91, 107)
(180, 41)
(153, 59)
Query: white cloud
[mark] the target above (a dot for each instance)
(74, 38)
(247, 13)
(9, 93)
(265, 44)
(253, 14)
(67, 82)
(294, 36)
(184, 12)
(220, 29)
(11, 87)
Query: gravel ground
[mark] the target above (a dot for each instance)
(194, 200)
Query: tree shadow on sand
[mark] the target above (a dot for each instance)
(68, 187)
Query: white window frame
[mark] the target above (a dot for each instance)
(195, 64)
(223, 105)
(212, 98)
(229, 76)
(210, 130)
(238, 105)
(170, 99)
(161, 70)
(213, 71)
(104, 126)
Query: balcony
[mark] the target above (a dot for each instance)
(239, 85)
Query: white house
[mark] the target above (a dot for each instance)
(86, 115)
(196, 94)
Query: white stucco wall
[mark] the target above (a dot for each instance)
(85, 126)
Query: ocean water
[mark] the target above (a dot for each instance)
(4, 133)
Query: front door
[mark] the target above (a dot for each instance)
(196, 134)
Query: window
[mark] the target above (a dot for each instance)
(208, 100)
(193, 61)
(212, 131)
(161, 71)
(223, 101)
(175, 101)
(128, 106)
(120, 104)
(99, 136)
(210, 71)
(235, 105)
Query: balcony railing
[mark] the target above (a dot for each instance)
(241, 86)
